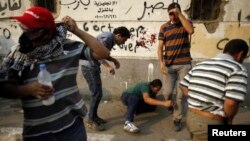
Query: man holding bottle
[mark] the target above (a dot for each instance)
(44, 42)
(45, 78)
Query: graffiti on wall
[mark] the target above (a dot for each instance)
(6, 40)
(105, 9)
(140, 35)
(143, 18)
(75, 4)
(9, 5)
(5, 32)
(219, 42)
(117, 9)
(146, 39)
(149, 9)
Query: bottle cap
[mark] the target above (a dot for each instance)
(42, 66)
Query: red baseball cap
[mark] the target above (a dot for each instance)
(37, 17)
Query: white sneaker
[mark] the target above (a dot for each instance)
(130, 127)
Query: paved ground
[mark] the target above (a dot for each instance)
(155, 126)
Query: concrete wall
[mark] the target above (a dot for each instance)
(131, 72)
(143, 18)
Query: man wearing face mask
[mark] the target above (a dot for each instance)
(44, 42)
(174, 57)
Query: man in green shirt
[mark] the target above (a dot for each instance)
(145, 91)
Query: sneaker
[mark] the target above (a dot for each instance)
(130, 127)
(177, 125)
(94, 125)
(100, 120)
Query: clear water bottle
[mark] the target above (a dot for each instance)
(45, 78)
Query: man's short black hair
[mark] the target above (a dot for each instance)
(156, 82)
(236, 46)
(174, 5)
(123, 31)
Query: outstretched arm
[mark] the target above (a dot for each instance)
(147, 99)
(99, 51)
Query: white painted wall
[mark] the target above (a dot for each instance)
(96, 16)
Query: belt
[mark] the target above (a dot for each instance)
(206, 114)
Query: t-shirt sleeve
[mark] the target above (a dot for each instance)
(145, 89)
(236, 87)
(161, 33)
(106, 39)
(103, 40)
(87, 54)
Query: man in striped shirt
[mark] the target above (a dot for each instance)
(215, 88)
(174, 57)
(44, 42)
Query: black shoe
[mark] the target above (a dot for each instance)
(177, 125)
(94, 125)
(100, 120)
(171, 109)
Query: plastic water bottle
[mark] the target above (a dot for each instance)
(45, 78)
(150, 72)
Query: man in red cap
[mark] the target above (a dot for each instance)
(44, 42)
(37, 17)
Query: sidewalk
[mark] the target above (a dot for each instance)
(154, 126)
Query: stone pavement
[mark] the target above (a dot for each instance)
(154, 126)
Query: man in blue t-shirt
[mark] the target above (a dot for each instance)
(91, 72)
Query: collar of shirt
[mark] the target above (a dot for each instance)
(224, 56)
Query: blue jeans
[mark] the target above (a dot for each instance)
(131, 101)
(75, 132)
(93, 78)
